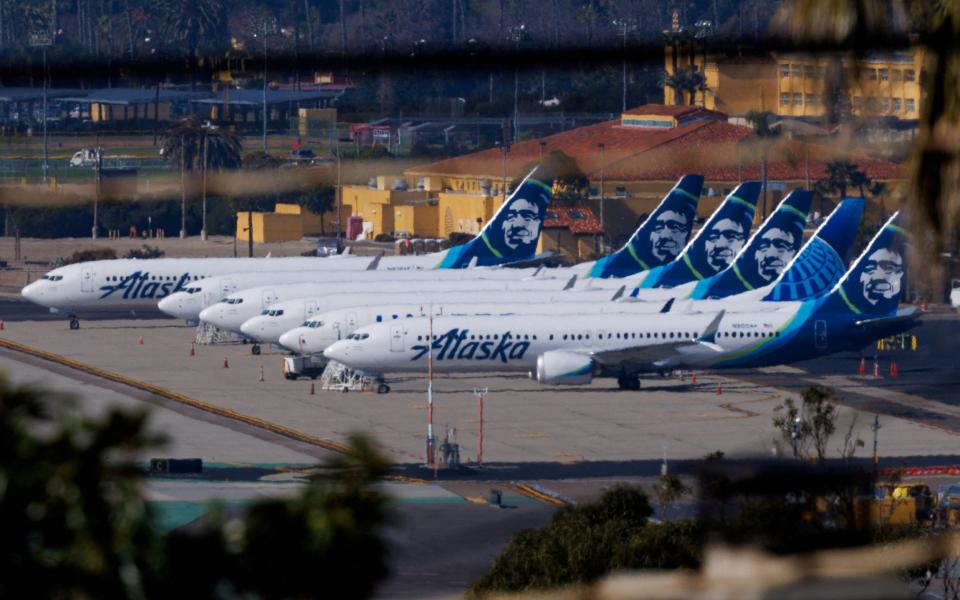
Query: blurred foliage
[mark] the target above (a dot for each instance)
(145, 251)
(87, 255)
(194, 143)
(76, 524)
(584, 542)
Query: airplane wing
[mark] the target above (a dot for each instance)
(657, 354)
(374, 263)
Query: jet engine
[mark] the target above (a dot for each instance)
(564, 368)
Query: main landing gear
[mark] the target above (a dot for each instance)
(628, 382)
(383, 388)
(255, 349)
(74, 322)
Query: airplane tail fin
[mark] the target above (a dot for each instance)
(767, 252)
(823, 259)
(716, 244)
(513, 232)
(871, 288)
(673, 216)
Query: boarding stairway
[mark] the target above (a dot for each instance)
(338, 376)
(208, 334)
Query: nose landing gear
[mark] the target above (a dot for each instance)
(74, 322)
(255, 350)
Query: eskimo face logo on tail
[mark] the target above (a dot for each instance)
(669, 235)
(881, 276)
(776, 247)
(138, 285)
(521, 225)
(455, 345)
(723, 242)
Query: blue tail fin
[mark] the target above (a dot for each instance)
(513, 232)
(767, 253)
(823, 258)
(661, 236)
(716, 244)
(872, 286)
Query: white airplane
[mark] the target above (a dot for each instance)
(137, 285)
(861, 308)
(188, 303)
(305, 300)
(657, 241)
(834, 238)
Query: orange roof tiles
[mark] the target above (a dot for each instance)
(707, 146)
(578, 219)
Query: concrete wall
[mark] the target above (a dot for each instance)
(420, 220)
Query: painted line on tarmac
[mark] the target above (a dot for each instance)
(178, 397)
(531, 492)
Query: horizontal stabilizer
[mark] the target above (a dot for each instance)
(374, 263)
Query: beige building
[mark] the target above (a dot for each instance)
(795, 85)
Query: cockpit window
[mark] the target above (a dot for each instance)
(358, 336)
(265, 312)
(53, 277)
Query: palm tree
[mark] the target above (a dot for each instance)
(843, 175)
(319, 201)
(196, 23)
(188, 137)
(760, 121)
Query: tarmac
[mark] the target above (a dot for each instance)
(568, 443)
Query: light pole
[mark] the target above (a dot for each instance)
(183, 190)
(875, 428)
(266, 27)
(601, 148)
(624, 24)
(542, 145)
(42, 40)
(203, 225)
(504, 150)
(480, 393)
(516, 34)
(339, 193)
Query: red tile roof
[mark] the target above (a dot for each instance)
(707, 146)
(578, 219)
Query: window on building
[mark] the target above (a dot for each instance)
(884, 74)
(785, 70)
(808, 70)
(896, 74)
(909, 75)
(911, 107)
(797, 99)
(897, 105)
(810, 100)
(621, 192)
(884, 104)
(784, 99)
(872, 74)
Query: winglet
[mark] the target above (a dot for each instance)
(570, 284)
(710, 333)
(374, 263)
(666, 307)
(472, 263)
(619, 293)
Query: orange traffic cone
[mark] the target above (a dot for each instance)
(1, 325)
(894, 371)
(140, 341)
(313, 391)
(226, 365)
(719, 390)
(876, 367)
(862, 371)
(693, 378)
(193, 349)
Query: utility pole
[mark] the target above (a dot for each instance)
(430, 441)
(43, 40)
(504, 150)
(203, 226)
(601, 147)
(183, 190)
(98, 167)
(339, 194)
(263, 29)
(625, 24)
(516, 33)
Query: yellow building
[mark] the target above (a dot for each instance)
(270, 227)
(794, 85)
(376, 204)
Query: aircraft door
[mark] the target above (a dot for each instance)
(269, 297)
(820, 334)
(396, 338)
(226, 286)
(88, 280)
(338, 329)
(309, 309)
(351, 320)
